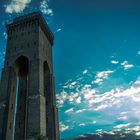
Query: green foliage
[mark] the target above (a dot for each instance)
(37, 136)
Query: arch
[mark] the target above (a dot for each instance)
(22, 65)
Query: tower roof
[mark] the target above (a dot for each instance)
(30, 17)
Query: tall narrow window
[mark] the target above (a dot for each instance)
(12, 106)
(10, 126)
(19, 124)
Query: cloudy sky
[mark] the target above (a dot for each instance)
(96, 61)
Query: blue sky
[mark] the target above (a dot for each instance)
(96, 58)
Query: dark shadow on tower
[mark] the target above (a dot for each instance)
(27, 87)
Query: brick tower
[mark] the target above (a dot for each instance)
(27, 92)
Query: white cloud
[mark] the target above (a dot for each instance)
(118, 132)
(78, 100)
(87, 92)
(45, 9)
(58, 30)
(16, 6)
(85, 71)
(82, 124)
(5, 35)
(82, 136)
(104, 74)
(113, 99)
(101, 107)
(138, 53)
(123, 113)
(2, 54)
(138, 133)
(73, 83)
(72, 97)
(61, 98)
(120, 102)
(69, 110)
(63, 127)
(97, 81)
(136, 128)
(126, 65)
(123, 118)
(100, 76)
(122, 125)
(70, 85)
(114, 62)
(94, 122)
(99, 130)
(80, 111)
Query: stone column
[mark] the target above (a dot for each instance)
(36, 100)
(7, 99)
(51, 113)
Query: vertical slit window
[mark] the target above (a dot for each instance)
(10, 126)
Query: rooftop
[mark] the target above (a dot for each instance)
(30, 17)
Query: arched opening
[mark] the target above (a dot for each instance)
(46, 92)
(21, 67)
